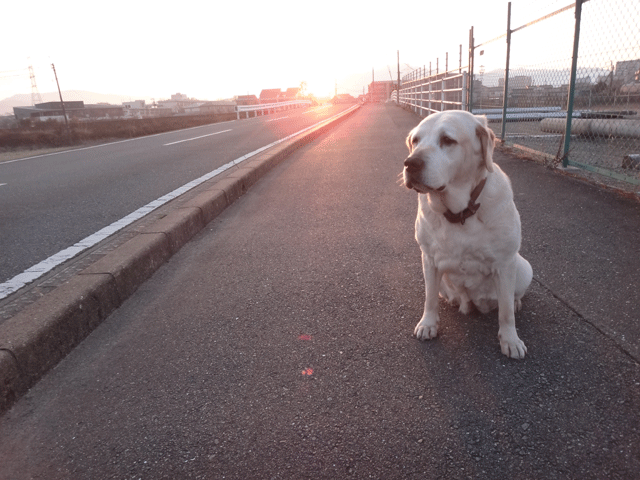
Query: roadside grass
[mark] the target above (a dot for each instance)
(48, 137)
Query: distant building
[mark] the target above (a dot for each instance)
(137, 108)
(291, 94)
(178, 103)
(518, 81)
(211, 108)
(381, 91)
(247, 100)
(135, 105)
(76, 110)
(344, 98)
(275, 95)
(627, 72)
(140, 109)
(272, 95)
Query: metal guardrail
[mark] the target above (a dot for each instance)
(426, 94)
(268, 107)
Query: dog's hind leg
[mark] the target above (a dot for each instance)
(524, 275)
(510, 343)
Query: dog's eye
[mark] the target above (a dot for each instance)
(446, 141)
(415, 140)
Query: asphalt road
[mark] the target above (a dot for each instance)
(50, 202)
(277, 344)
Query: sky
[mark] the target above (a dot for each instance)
(216, 50)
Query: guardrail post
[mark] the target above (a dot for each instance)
(572, 85)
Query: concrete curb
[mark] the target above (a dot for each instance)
(38, 337)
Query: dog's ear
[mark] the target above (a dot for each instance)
(487, 142)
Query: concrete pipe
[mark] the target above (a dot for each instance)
(594, 127)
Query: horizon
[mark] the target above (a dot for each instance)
(489, 78)
(213, 52)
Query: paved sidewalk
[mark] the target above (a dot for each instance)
(277, 343)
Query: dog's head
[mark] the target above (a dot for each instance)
(447, 148)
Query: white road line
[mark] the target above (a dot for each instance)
(35, 272)
(276, 119)
(1, 184)
(195, 138)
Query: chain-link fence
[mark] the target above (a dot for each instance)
(597, 97)
(572, 83)
(431, 88)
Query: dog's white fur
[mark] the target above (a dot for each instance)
(475, 262)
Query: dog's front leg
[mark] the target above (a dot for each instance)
(427, 328)
(510, 343)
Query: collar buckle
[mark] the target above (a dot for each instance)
(471, 209)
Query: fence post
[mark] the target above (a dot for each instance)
(430, 88)
(465, 93)
(572, 85)
(505, 100)
(398, 96)
(471, 61)
(422, 93)
(442, 89)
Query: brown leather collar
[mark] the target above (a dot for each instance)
(471, 209)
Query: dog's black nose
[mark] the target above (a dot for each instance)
(414, 164)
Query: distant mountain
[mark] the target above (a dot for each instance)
(21, 100)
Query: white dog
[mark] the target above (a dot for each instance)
(467, 227)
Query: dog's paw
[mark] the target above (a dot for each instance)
(426, 329)
(425, 332)
(511, 345)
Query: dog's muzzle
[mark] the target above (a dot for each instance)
(414, 165)
(413, 168)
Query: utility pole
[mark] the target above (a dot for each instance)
(373, 83)
(64, 113)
